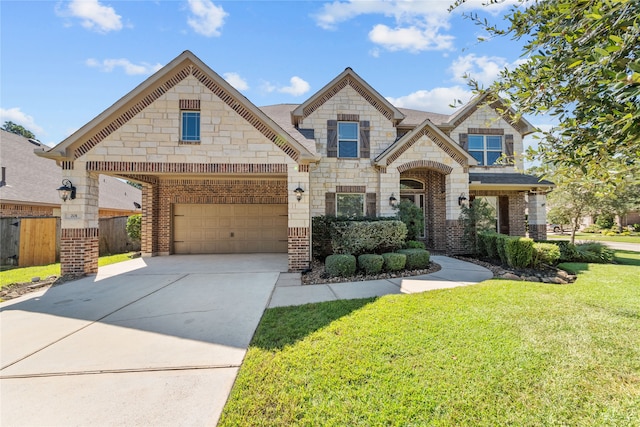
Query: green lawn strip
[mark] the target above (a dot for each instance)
(498, 353)
(634, 238)
(25, 274)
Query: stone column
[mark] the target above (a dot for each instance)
(299, 224)
(537, 215)
(79, 239)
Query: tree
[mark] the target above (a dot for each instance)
(413, 218)
(619, 203)
(9, 126)
(582, 66)
(478, 217)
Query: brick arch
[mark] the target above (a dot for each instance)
(428, 164)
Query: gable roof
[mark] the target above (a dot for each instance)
(186, 64)
(426, 128)
(24, 186)
(347, 78)
(488, 98)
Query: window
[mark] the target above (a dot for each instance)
(348, 139)
(486, 149)
(190, 126)
(350, 204)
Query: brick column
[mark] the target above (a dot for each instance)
(517, 207)
(79, 237)
(149, 226)
(455, 231)
(299, 248)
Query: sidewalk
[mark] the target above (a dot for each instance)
(288, 290)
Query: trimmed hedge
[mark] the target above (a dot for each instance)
(488, 245)
(519, 251)
(361, 237)
(414, 244)
(501, 245)
(416, 258)
(370, 263)
(545, 253)
(394, 261)
(340, 265)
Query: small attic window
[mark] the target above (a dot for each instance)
(189, 121)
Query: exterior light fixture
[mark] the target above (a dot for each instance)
(298, 192)
(393, 201)
(462, 199)
(67, 191)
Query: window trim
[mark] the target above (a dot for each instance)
(485, 148)
(356, 139)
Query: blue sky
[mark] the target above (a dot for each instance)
(64, 62)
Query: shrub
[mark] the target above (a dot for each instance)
(367, 236)
(595, 252)
(478, 217)
(371, 263)
(593, 228)
(636, 227)
(340, 265)
(519, 251)
(489, 242)
(545, 253)
(394, 261)
(414, 244)
(321, 236)
(412, 216)
(134, 225)
(501, 247)
(605, 220)
(416, 258)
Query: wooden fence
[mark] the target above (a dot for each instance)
(36, 241)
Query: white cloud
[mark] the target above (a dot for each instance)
(296, 88)
(17, 116)
(484, 69)
(436, 100)
(108, 65)
(236, 81)
(207, 18)
(412, 38)
(94, 16)
(418, 25)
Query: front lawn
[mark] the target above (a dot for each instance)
(25, 274)
(580, 236)
(498, 353)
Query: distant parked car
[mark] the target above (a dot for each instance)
(554, 227)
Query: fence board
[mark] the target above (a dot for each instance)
(37, 241)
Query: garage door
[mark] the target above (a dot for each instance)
(219, 229)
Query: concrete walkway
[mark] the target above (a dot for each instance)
(157, 341)
(453, 273)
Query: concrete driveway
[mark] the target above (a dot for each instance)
(154, 341)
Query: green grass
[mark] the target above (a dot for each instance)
(25, 274)
(634, 238)
(498, 353)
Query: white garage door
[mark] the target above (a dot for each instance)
(220, 229)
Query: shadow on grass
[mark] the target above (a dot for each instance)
(574, 267)
(284, 326)
(628, 257)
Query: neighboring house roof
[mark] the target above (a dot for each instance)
(416, 117)
(184, 65)
(30, 179)
(347, 78)
(507, 179)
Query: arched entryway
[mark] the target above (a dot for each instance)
(426, 188)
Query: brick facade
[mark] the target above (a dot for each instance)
(10, 210)
(79, 251)
(299, 248)
(538, 232)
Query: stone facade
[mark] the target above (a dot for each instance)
(244, 156)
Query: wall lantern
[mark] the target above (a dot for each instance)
(462, 199)
(298, 192)
(67, 191)
(393, 201)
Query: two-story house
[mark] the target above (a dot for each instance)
(221, 175)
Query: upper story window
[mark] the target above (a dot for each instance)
(190, 126)
(348, 139)
(190, 121)
(486, 149)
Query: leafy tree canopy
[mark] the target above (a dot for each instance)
(582, 66)
(9, 126)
